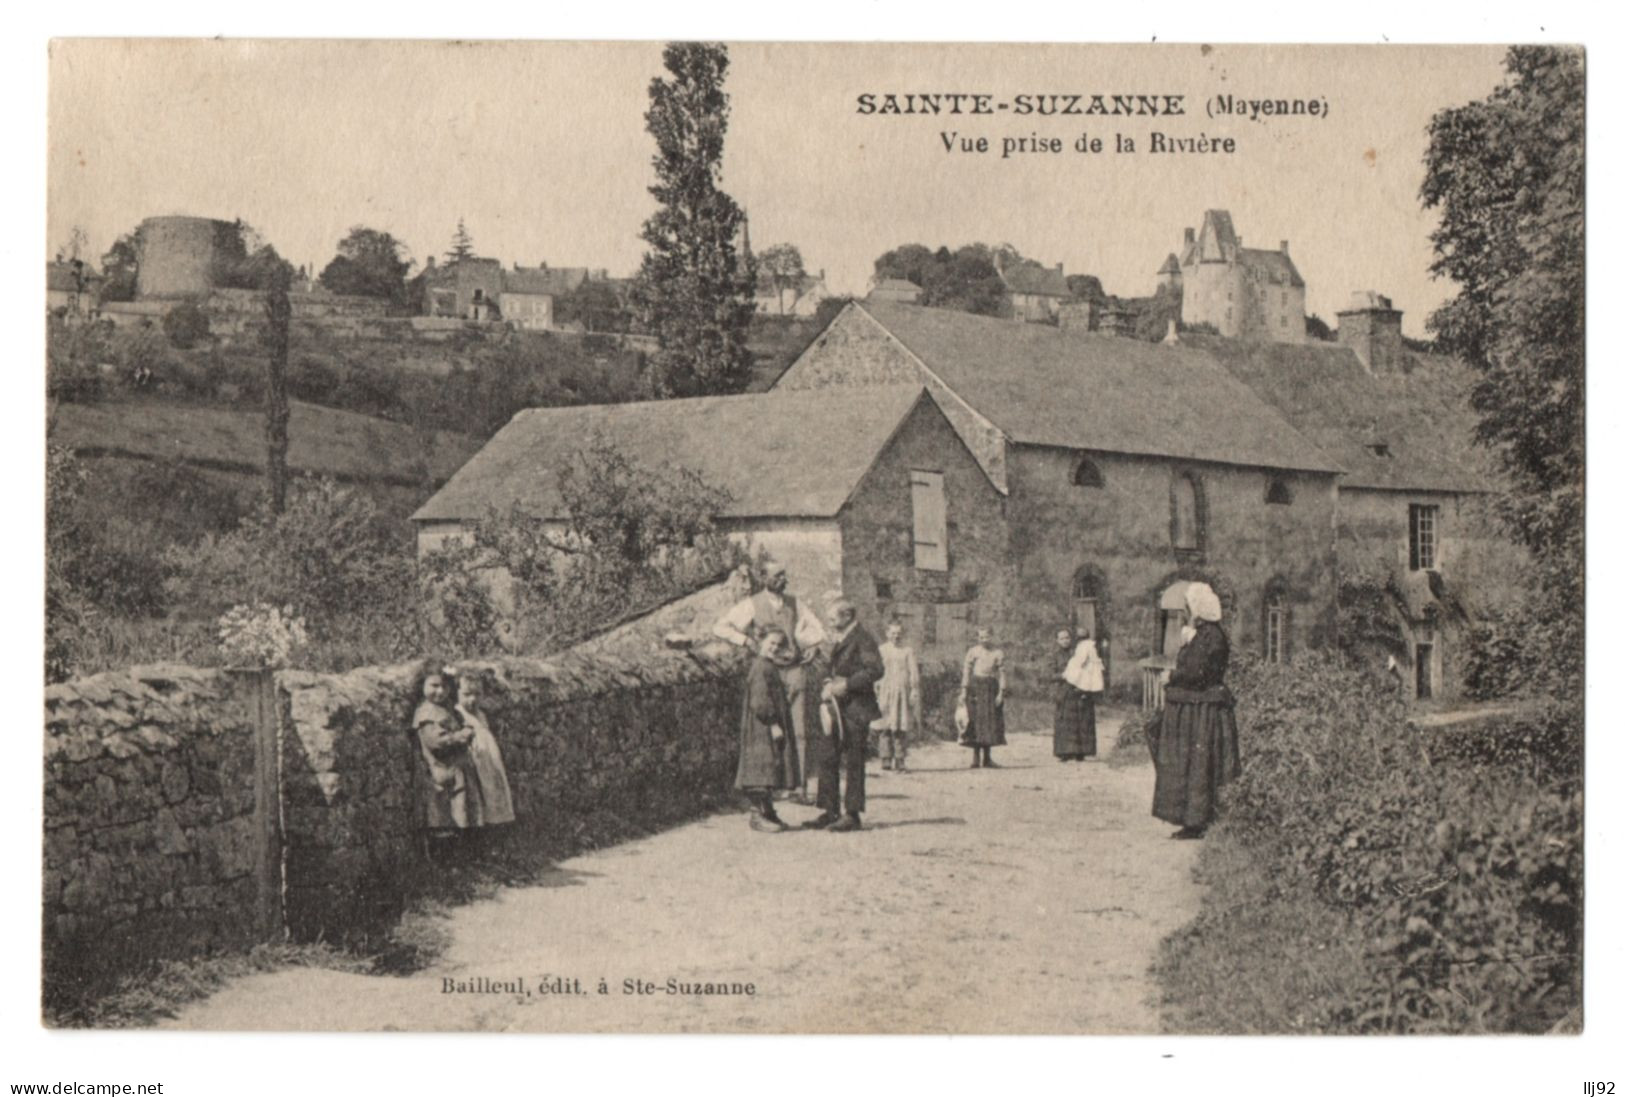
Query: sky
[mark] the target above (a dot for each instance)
(541, 149)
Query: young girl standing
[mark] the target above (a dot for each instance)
(490, 801)
(982, 690)
(443, 742)
(899, 696)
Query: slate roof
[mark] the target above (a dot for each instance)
(779, 454)
(1276, 266)
(543, 281)
(1422, 417)
(1035, 279)
(1042, 385)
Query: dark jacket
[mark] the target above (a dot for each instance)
(1198, 674)
(856, 658)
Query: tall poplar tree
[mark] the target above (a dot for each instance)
(695, 290)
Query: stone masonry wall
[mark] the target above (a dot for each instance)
(149, 831)
(151, 845)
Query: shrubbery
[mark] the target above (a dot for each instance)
(1454, 867)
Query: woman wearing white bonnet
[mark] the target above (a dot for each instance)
(1194, 737)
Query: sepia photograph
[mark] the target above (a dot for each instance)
(790, 538)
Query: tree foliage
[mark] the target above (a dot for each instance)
(780, 268)
(966, 279)
(244, 259)
(1507, 176)
(596, 305)
(695, 290)
(119, 267)
(462, 244)
(369, 263)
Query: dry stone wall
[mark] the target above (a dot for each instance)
(149, 828)
(153, 848)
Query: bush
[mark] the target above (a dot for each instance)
(1457, 871)
(186, 326)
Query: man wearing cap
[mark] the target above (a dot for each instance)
(849, 696)
(773, 607)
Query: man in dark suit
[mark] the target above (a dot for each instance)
(854, 668)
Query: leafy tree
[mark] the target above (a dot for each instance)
(1507, 176)
(1086, 287)
(967, 279)
(119, 267)
(462, 244)
(695, 291)
(244, 259)
(1316, 328)
(186, 325)
(73, 249)
(369, 263)
(1155, 313)
(780, 267)
(633, 536)
(596, 305)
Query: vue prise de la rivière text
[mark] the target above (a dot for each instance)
(1067, 104)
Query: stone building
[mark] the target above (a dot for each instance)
(1245, 293)
(872, 492)
(1036, 292)
(482, 290)
(1414, 529)
(894, 289)
(1126, 469)
(176, 256)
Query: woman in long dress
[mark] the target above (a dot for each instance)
(899, 695)
(767, 745)
(490, 800)
(1194, 743)
(982, 692)
(1075, 698)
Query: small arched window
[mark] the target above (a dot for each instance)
(1278, 492)
(1087, 474)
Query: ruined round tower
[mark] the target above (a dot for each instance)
(176, 257)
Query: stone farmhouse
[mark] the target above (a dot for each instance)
(871, 492)
(1036, 292)
(1128, 468)
(1245, 293)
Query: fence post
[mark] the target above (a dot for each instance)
(264, 708)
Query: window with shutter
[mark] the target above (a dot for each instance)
(1424, 537)
(930, 521)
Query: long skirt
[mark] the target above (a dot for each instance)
(1196, 752)
(1074, 724)
(986, 714)
(763, 763)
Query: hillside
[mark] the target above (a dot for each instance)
(322, 441)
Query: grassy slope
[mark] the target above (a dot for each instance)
(321, 441)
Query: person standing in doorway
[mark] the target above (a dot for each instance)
(849, 707)
(774, 607)
(982, 691)
(899, 697)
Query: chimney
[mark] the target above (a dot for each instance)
(1060, 268)
(1370, 327)
(1284, 250)
(1190, 236)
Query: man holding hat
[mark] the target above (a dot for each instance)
(848, 707)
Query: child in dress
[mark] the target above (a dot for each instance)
(443, 742)
(982, 693)
(490, 801)
(899, 696)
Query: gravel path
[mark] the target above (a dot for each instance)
(1025, 899)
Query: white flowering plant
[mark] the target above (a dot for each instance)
(261, 635)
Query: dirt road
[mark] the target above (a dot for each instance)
(1028, 898)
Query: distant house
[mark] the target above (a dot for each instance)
(482, 290)
(799, 298)
(72, 287)
(1036, 292)
(894, 289)
(1244, 293)
(871, 492)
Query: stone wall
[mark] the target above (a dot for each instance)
(1121, 530)
(159, 840)
(149, 821)
(940, 610)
